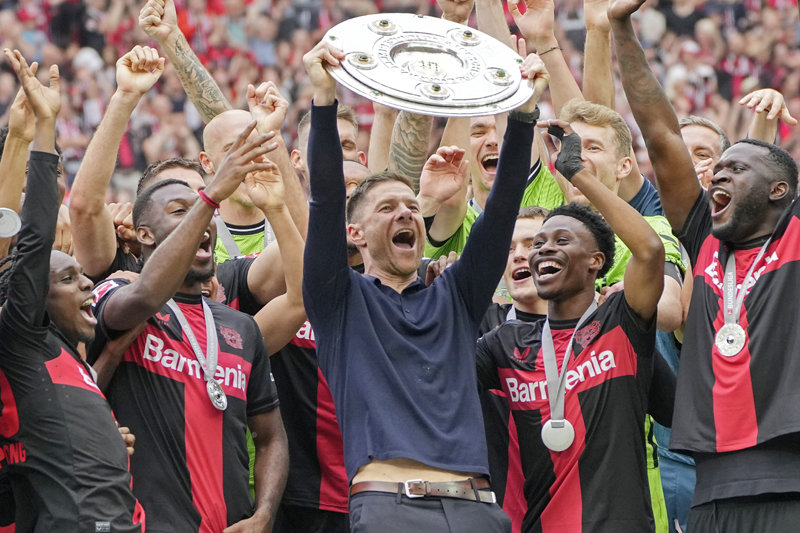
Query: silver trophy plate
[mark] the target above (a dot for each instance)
(428, 65)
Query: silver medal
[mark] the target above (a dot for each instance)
(10, 223)
(730, 339)
(216, 395)
(558, 435)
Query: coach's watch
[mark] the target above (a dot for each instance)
(521, 116)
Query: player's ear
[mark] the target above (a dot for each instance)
(356, 234)
(145, 236)
(597, 260)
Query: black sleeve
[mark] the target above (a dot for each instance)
(232, 277)
(485, 364)
(262, 396)
(662, 391)
(696, 227)
(30, 278)
(483, 260)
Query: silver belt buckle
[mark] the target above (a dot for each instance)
(407, 488)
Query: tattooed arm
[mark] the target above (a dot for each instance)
(675, 175)
(159, 20)
(409, 148)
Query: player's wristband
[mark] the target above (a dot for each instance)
(521, 116)
(207, 199)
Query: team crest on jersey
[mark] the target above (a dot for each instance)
(586, 334)
(232, 337)
(220, 296)
(521, 356)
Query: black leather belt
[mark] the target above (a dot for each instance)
(473, 489)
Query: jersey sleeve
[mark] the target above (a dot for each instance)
(672, 247)
(262, 396)
(640, 333)
(697, 227)
(101, 293)
(486, 367)
(456, 241)
(29, 280)
(232, 277)
(542, 189)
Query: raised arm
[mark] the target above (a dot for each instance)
(598, 82)
(165, 270)
(159, 20)
(21, 122)
(380, 137)
(94, 233)
(269, 107)
(483, 260)
(536, 25)
(768, 106)
(644, 274)
(675, 175)
(30, 279)
(280, 319)
(325, 265)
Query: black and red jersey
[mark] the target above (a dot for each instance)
(192, 470)
(502, 441)
(600, 482)
(59, 445)
(732, 403)
(317, 477)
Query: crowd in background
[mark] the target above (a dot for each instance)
(706, 54)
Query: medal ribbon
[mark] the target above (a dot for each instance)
(731, 298)
(212, 347)
(555, 382)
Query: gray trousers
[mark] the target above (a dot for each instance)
(378, 512)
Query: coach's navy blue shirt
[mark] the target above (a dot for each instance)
(401, 366)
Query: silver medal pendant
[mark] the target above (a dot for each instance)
(730, 339)
(216, 395)
(558, 435)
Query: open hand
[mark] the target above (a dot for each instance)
(244, 156)
(265, 187)
(772, 102)
(444, 174)
(45, 101)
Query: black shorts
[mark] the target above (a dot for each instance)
(297, 519)
(773, 513)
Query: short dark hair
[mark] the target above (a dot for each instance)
(781, 162)
(694, 120)
(369, 182)
(532, 211)
(142, 203)
(599, 228)
(7, 265)
(154, 169)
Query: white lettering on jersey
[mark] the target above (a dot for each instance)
(168, 358)
(531, 391)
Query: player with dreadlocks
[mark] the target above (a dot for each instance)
(65, 461)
